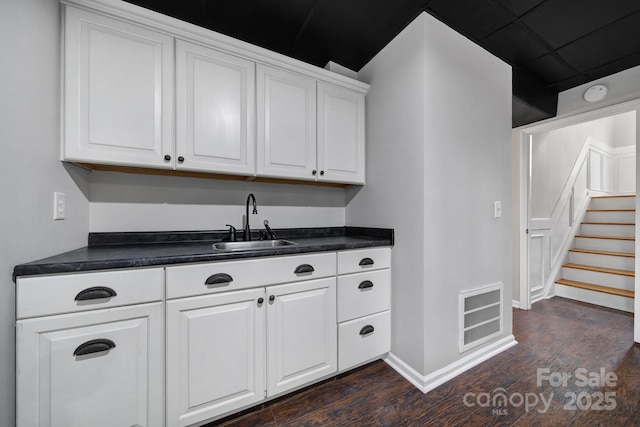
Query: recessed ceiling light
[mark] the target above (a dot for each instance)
(595, 93)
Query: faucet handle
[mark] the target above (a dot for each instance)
(269, 230)
(232, 233)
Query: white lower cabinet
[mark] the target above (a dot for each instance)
(236, 346)
(100, 368)
(364, 303)
(94, 349)
(301, 334)
(90, 349)
(215, 355)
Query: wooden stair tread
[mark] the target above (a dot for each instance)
(608, 223)
(588, 236)
(595, 252)
(628, 273)
(620, 196)
(597, 288)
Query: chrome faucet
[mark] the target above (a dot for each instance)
(247, 229)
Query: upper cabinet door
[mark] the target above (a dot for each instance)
(215, 94)
(341, 136)
(118, 92)
(286, 124)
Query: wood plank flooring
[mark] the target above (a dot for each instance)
(556, 336)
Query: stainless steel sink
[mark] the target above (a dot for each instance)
(252, 245)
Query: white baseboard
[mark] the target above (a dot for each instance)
(428, 382)
(515, 304)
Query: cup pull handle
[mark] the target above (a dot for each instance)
(304, 268)
(94, 346)
(365, 262)
(366, 330)
(95, 292)
(218, 279)
(366, 284)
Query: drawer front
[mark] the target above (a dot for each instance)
(45, 295)
(363, 260)
(356, 346)
(363, 294)
(190, 280)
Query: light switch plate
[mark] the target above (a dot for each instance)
(497, 209)
(59, 205)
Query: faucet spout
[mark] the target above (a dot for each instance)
(247, 229)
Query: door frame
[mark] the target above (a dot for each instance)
(521, 145)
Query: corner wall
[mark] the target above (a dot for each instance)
(438, 139)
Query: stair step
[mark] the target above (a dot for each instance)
(597, 252)
(602, 243)
(613, 202)
(597, 288)
(618, 229)
(590, 236)
(600, 258)
(610, 215)
(609, 223)
(615, 271)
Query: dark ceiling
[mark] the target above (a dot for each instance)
(552, 45)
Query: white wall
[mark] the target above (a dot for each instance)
(394, 194)
(122, 202)
(438, 125)
(31, 171)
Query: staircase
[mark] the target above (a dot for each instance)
(601, 266)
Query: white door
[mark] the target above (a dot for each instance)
(215, 355)
(118, 92)
(100, 368)
(341, 139)
(301, 333)
(286, 124)
(215, 126)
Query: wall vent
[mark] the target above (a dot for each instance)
(480, 316)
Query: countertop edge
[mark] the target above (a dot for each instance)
(51, 267)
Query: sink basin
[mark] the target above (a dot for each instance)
(251, 245)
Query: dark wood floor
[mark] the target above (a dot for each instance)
(559, 335)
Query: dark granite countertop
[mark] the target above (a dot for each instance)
(129, 250)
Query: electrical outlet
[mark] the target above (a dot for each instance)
(59, 205)
(497, 209)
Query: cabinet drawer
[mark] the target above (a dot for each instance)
(45, 295)
(356, 346)
(189, 280)
(363, 260)
(363, 294)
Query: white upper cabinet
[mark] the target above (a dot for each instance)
(215, 121)
(286, 124)
(184, 99)
(340, 134)
(309, 130)
(118, 92)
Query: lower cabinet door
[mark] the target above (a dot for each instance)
(215, 355)
(99, 368)
(301, 331)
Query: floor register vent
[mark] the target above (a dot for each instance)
(480, 313)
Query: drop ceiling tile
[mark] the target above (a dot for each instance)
(520, 7)
(475, 19)
(614, 67)
(606, 45)
(515, 44)
(570, 82)
(560, 21)
(352, 32)
(550, 69)
(273, 25)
